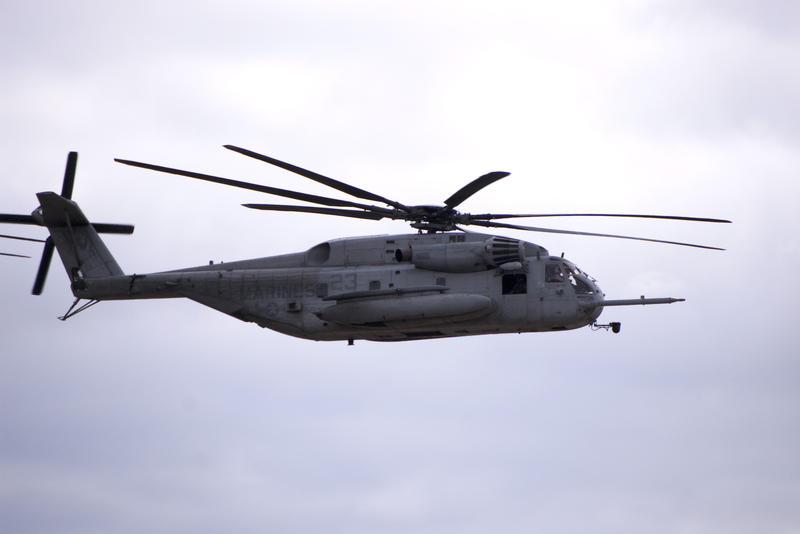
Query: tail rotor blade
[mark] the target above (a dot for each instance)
(69, 175)
(17, 219)
(21, 238)
(44, 265)
(110, 228)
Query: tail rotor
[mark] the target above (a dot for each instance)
(44, 266)
(36, 219)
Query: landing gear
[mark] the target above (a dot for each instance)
(615, 327)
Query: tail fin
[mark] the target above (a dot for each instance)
(82, 251)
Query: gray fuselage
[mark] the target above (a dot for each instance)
(383, 288)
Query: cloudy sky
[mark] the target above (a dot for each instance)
(164, 416)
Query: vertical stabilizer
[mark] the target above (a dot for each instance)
(82, 251)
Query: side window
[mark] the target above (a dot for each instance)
(553, 273)
(515, 284)
(374, 284)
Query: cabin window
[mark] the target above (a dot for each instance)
(374, 284)
(515, 284)
(553, 273)
(322, 290)
(441, 281)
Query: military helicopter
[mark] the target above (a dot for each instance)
(442, 281)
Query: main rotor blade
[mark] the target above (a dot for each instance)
(21, 238)
(570, 232)
(330, 182)
(489, 216)
(14, 255)
(17, 219)
(312, 209)
(44, 265)
(69, 175)
(253, 187)
(473, 187)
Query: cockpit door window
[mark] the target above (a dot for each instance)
(553, 273)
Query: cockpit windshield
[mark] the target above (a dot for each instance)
(579, 280)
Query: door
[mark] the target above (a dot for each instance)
(558, 297)
(514, 297)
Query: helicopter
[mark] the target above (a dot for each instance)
(442, 281)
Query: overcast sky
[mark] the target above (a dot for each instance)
(165, 416)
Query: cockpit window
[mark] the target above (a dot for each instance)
(568, 272)
(579, 281)
(574, 268)
(553, 273)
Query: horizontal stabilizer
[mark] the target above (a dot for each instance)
(58, 211)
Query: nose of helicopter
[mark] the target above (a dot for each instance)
(586, 288)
